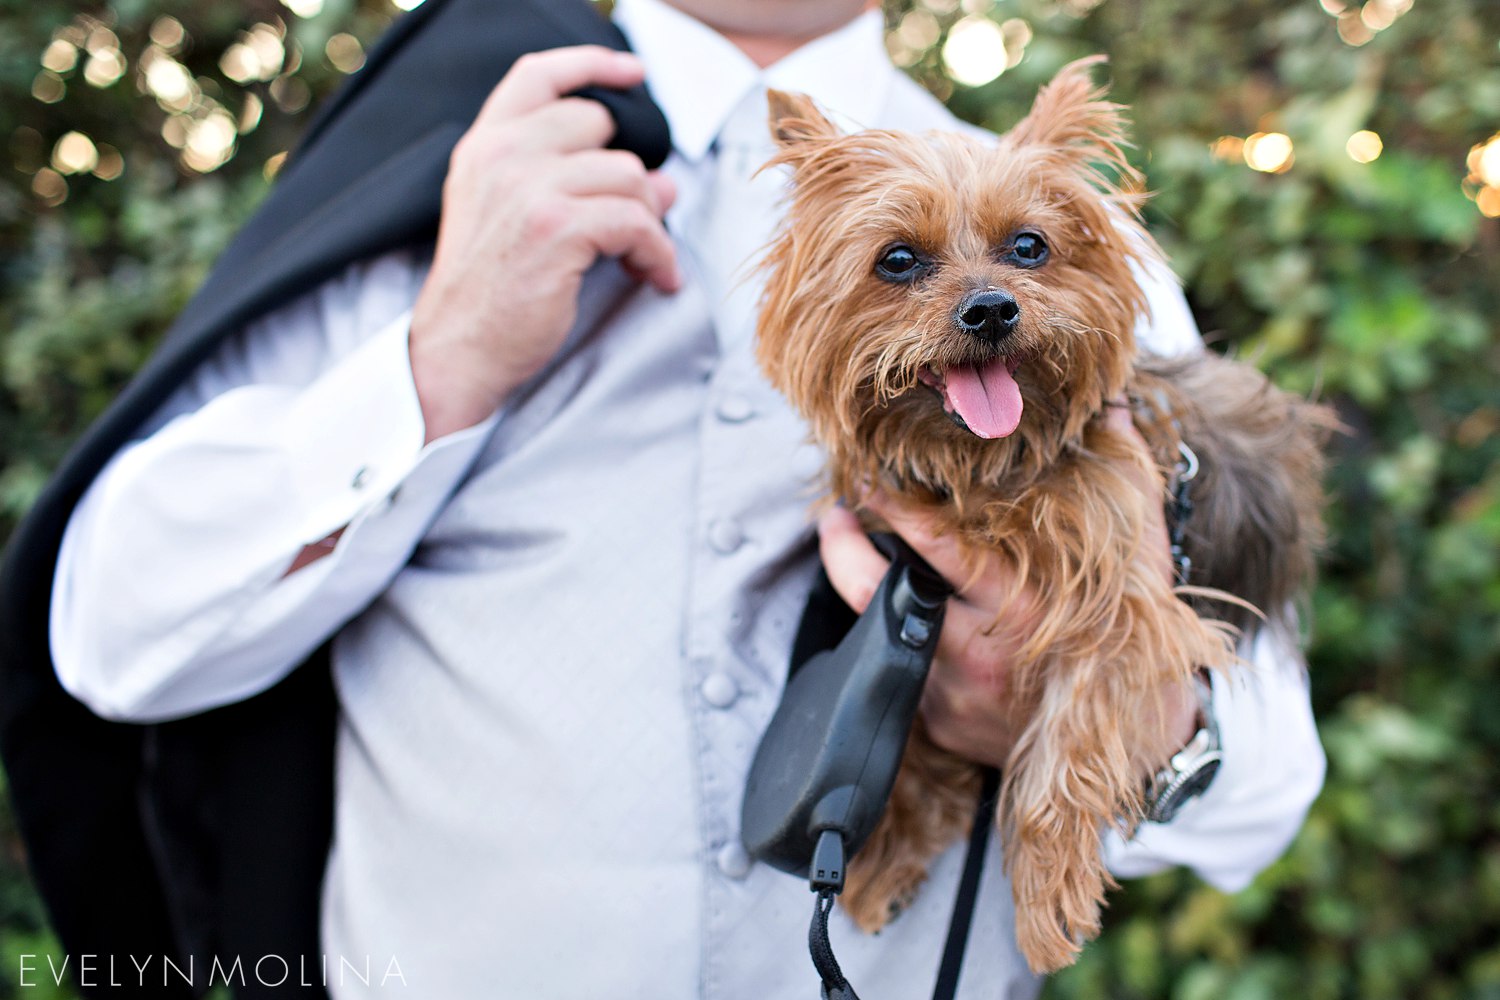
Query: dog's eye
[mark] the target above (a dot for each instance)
(898, 263)
(1028, 250)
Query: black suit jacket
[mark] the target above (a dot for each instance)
(208, 836)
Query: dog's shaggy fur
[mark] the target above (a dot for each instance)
(870, 359)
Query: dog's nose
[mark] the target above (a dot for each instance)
(991, 314)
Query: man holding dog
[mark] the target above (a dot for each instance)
(544, 501)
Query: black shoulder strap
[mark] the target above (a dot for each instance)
(97, 820)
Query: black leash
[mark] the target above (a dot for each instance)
(826, 877)
(835, 986)
(968, 888)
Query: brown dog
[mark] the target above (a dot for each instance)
(952, 319)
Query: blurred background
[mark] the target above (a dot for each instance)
(1327, 182)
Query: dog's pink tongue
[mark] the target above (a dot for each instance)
(986, 397)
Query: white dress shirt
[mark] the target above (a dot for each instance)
(641, 506)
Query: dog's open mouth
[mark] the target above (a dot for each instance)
(984, 398)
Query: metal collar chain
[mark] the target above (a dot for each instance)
(1181, 508)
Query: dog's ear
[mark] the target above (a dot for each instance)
(1071, 116)
(795, 120)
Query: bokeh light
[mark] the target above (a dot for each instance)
(290, 93)
(1269, 152)
(1017, 34)
(250, 114)
(1364, 146)
(1483, 182)
(919, 29)
(1488, 201)
(258, 55)
(174, 130)
(974, 53)
(168, 80)
(1484, 161)
(210, 142)
(1358, 24)
(111, 164)
(104, 68)
(168, 33)
(1353, 30)
(1230, 148)
(48, 87)
(60, 56)
(74, 153)
(345, 52)
(304, 8)
(50, 187)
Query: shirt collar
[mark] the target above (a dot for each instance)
(698, 77)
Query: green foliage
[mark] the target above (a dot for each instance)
(1374, 285)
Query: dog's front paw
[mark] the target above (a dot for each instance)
(1053, 809)
(876, 894)
(1056, 906)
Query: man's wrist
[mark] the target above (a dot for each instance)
(450, 397)
(1191, 770)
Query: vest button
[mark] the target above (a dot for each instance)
(725, 536)
(734, 861)
(735, 409)
(719, 690)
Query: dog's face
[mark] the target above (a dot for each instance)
(940, 309)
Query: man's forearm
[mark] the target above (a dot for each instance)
(179, 586)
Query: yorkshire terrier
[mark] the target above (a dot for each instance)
(953, 318)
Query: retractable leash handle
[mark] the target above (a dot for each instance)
(827, 761)
(829, 757)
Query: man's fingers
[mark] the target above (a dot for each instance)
(563, 126)
(611, 171)
(626, 228)
(973, 640)
(663, 188)
(542, 77)
(981, 583)
(916, 528)
(855, 567)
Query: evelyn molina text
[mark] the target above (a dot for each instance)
(90, 971)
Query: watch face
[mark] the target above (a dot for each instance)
(1196, 781)
(1191, 782)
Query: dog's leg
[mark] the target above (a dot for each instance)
(1081, 767)
(1113, 646)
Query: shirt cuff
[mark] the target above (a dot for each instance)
(356, 433)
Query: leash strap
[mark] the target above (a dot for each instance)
(828, 882)
(968, 889)
(835, 986)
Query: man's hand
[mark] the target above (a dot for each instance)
(963, 703)
(532, 199)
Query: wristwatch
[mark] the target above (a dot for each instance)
(1191, 769)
